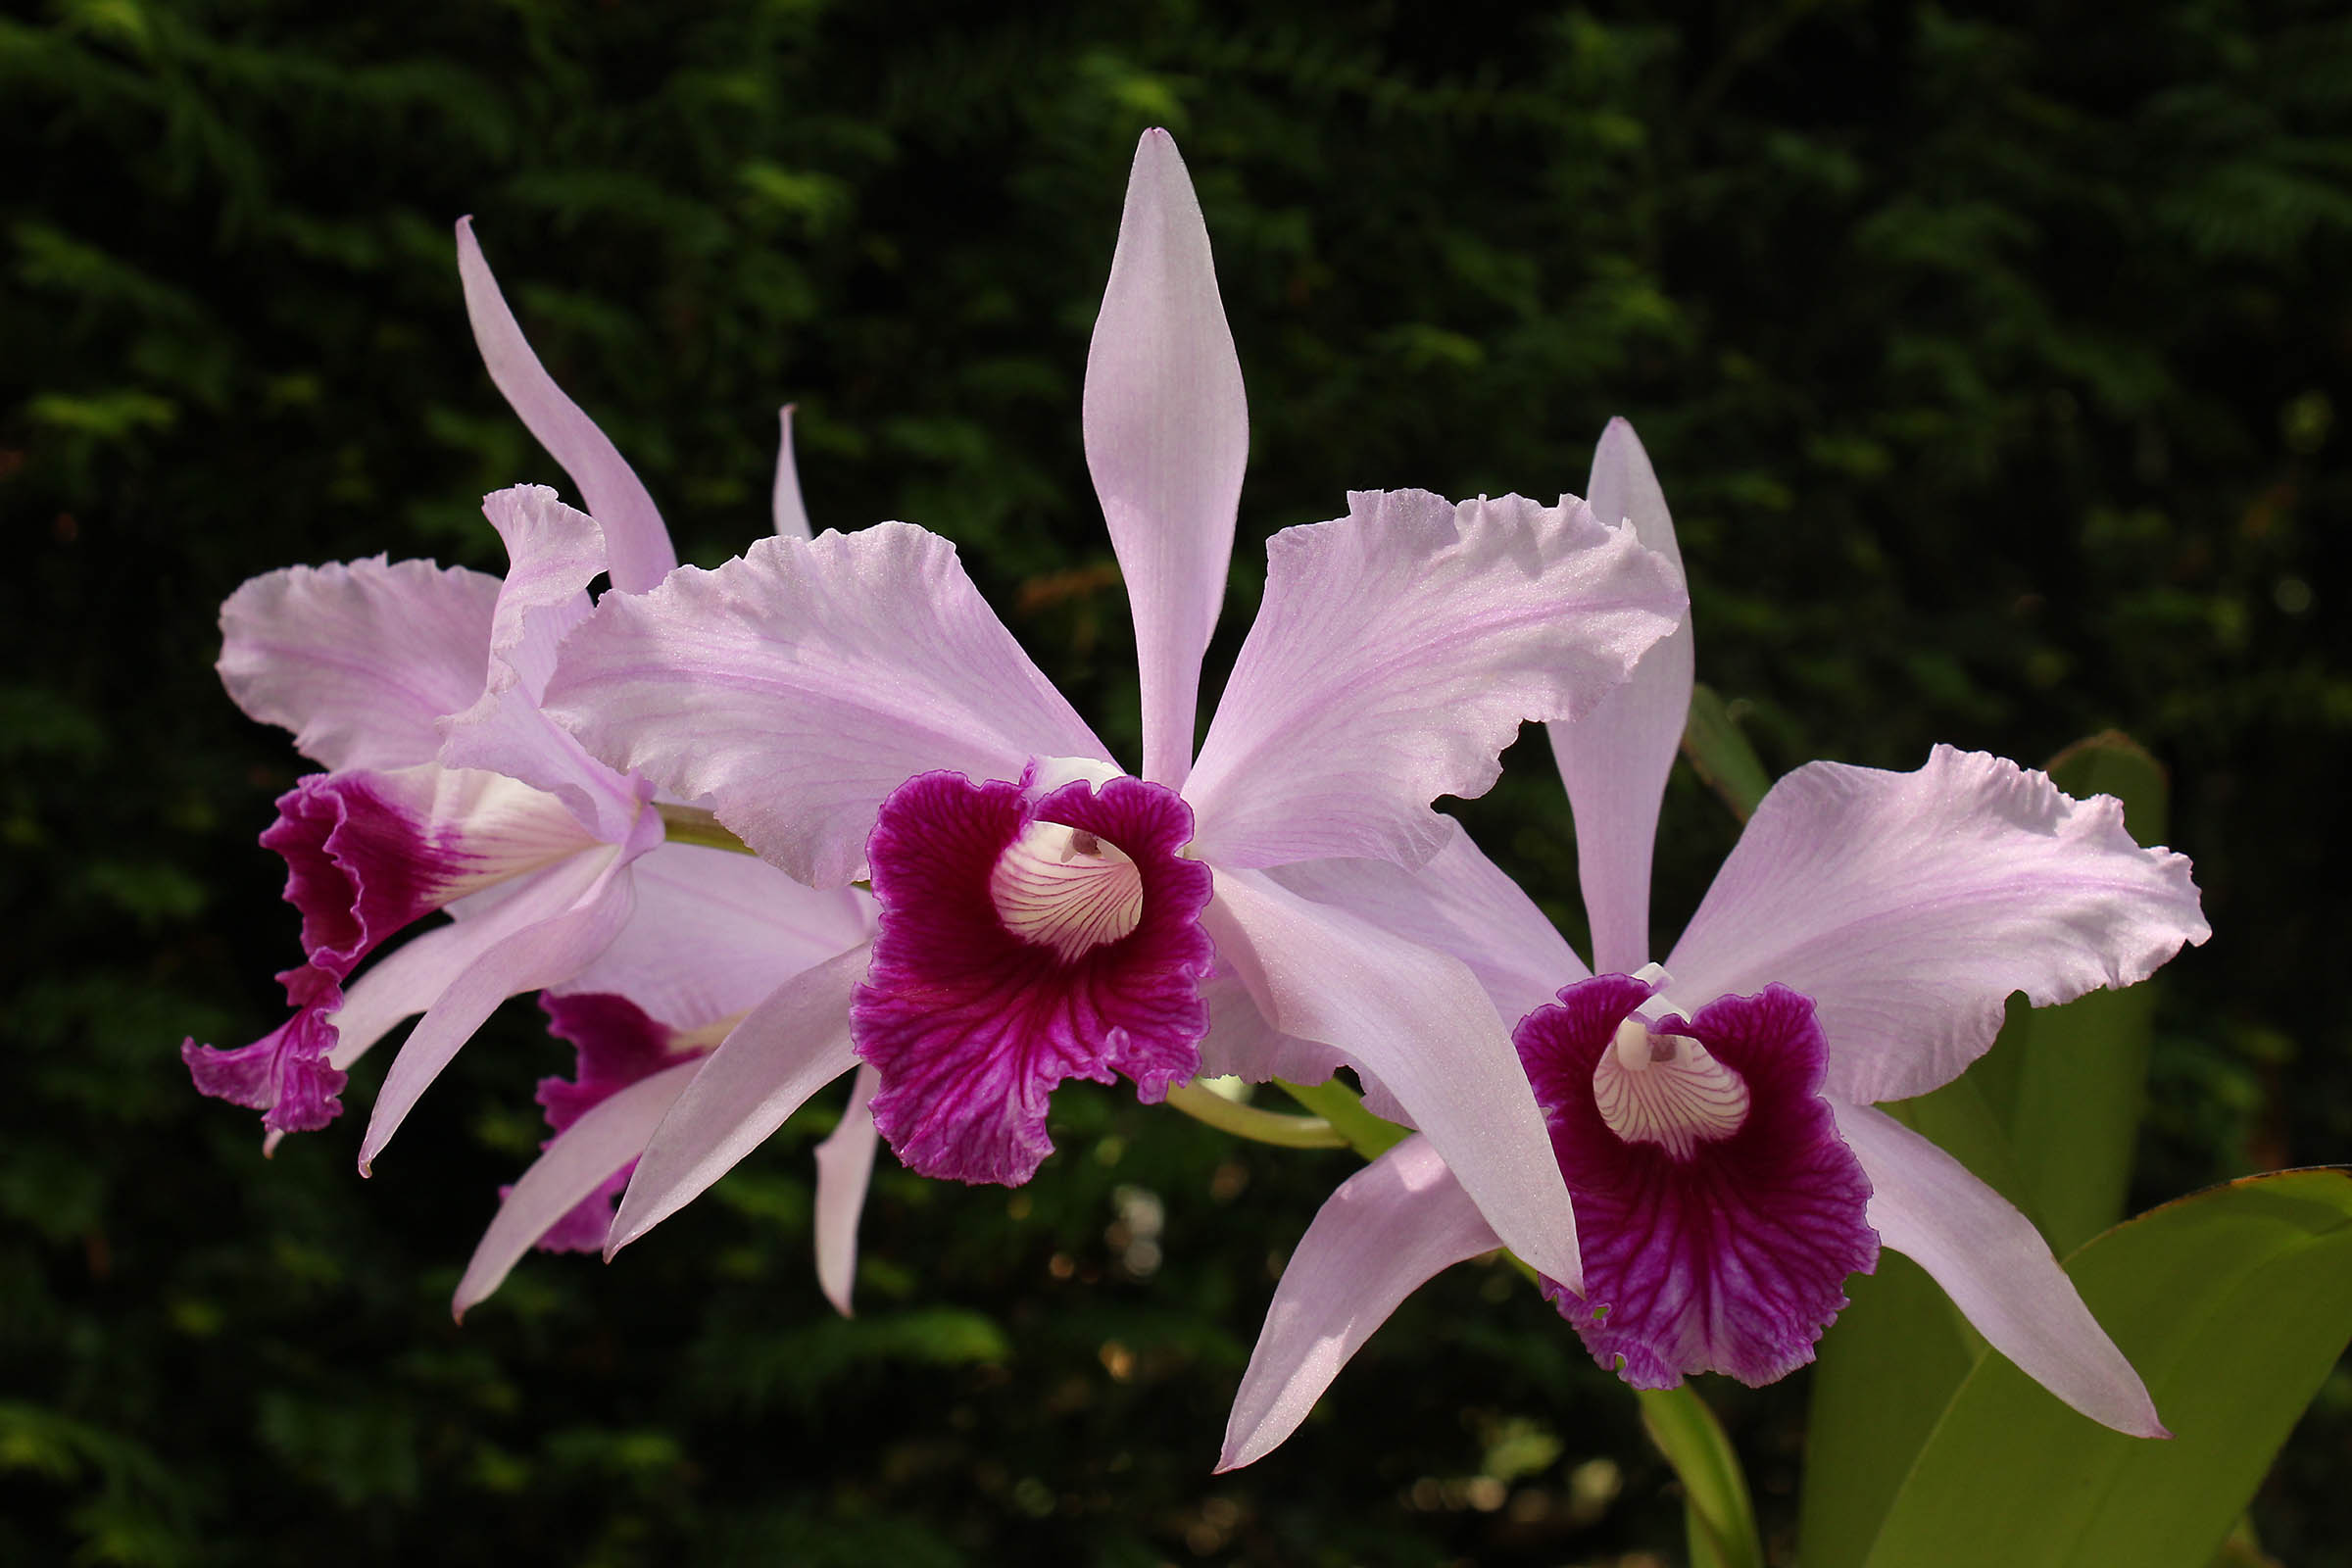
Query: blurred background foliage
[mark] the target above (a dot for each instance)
(1993, 360)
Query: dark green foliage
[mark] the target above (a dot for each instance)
(1992, 364)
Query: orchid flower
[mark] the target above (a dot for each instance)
(1715, 1117)
(417, 688)
(852, 708)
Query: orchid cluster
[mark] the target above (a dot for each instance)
(958, 897)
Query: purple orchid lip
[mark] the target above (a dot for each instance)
(1719, 1211)
(1026, 938)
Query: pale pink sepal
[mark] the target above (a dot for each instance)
(795, 688)
(1386, 1231)
(1461, 904)
(553, 553)
(845, 1164)
(716, 932)
(1615, 759)
(1396, 653)
(1909, 906)
(1167, 434)
(791, 514)
(789, 1047)
(1995, 1267)
(639, 545)
(1419, 1022)
(569, 917)
(575, 1163)
(359, 661)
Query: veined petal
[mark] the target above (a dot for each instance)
(1396, 653)
(790, 1046)
(567, 1172)
(784, 498)
(845, 1163)
(1389, 1228)
(290, 1074)
(1996, 1268)
(359, 661)
(1418, 1021)
(716, 932)
(1167, 433)
(585, 901)
(796, 687)
(1614, 760)
(553, 553)
(638, 543)
(1909, 906)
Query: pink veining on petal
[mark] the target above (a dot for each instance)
(970, 1023)
(1732, 1256)
(619, 1043)
(285, 1074)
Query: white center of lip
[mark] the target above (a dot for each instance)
(1666, 1089)
(1066, 888)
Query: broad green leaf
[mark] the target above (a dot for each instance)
(1720, 755)
(2234, 1303)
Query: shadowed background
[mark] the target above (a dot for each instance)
(1992, 364)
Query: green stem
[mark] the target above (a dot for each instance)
(1337, 1104)
(1203, 1104)
(1716, 1508)
(691, 824)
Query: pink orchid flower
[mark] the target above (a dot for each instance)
(1716, 1118)
(417, 689)
(852, 708)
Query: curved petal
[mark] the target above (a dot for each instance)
(1461, 903)
(575, 1164)
(1389, 1228)
(553, 551)
(716, 932)
(1417, 1022)
(1396, 653)
(1909, 906)
(639, 545)
(1167, 433)
(845, 1163)
(791, 1046)
(1995, 1267)
(796, 687)
(359, 661)
(1615, 759)
(784, 497)
(578, 923)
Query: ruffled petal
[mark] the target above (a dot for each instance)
(797, 687)
(1726, 1252)
(582, 906)
(1389, 1228)
(845, 1163)
(1996, 1268)
(789, 1047)
(791, 514)
(1167, 433)
(639, 545)
(553, 551)
(1909, 906)
(971, 1024)
(568, 1174)
(1418, 1023)
(715, 932)
(1396, 654)
(359, 661)
(287, 1074)
(1614, 760)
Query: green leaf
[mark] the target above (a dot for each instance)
(1720, 755)
(2234, 1303)
(1717, 1512)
